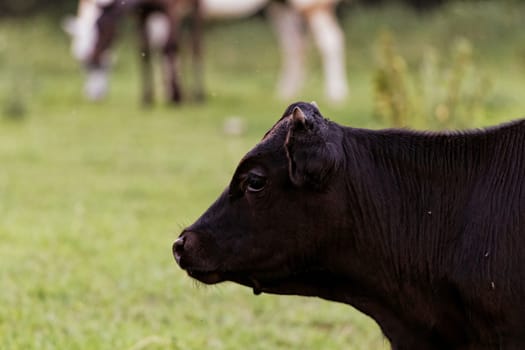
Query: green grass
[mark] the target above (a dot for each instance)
(92, 196)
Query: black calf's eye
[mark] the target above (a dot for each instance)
(255, 183)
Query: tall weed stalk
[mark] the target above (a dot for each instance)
(442, 93)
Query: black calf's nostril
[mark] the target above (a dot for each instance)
(178, 246)
(178, 249)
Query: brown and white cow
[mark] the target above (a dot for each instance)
(424, 232)
(94, 28)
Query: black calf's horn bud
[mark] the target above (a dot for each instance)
(298, 116)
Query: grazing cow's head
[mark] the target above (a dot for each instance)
(278, 215)
(92, 32)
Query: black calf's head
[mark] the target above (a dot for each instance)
(277, 215)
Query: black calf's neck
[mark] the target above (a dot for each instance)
(413, 197)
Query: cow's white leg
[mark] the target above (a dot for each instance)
(287, 24)
(329, 39)
(96, 85)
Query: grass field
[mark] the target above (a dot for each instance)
(93, 195)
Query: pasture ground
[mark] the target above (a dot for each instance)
(92, 196)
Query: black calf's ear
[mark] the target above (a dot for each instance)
(311, 155)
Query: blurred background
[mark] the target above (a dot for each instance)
(92, 195)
